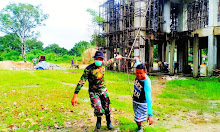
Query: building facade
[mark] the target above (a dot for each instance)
(133, 27)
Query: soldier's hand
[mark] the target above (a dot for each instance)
(150, 120)
(136, 59)
(118, 57)
(74, 99)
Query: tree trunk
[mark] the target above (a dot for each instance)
(23, 50)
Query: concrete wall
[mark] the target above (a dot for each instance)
(213, 12)
(166, 16)
(182, 17)
(139, 21)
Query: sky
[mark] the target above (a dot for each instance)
(68, 21)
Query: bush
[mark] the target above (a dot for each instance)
(37, 52)
(9, 54)
(34, 54)
(30, 56)
(1, 58)
(12, 55)
(52, 57)
(66, 58)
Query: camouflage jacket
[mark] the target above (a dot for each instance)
(95, 76)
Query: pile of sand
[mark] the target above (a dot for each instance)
(11, 65)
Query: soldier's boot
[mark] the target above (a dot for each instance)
(98, 123)
(109, 124)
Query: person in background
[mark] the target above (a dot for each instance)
(176, 67)
(34, 61)
(72, 63)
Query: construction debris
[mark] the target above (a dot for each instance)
(21, 65)
(12, 65)
(217, 72)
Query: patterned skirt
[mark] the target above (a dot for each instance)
(140, 111)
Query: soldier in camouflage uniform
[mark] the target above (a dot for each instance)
(97, 90)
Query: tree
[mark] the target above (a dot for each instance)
(78, 49)
(56, 49)
(96, 21)
(34, 44)
(21, 19)
(10, 41)
(98, 41)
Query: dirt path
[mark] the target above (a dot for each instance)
(157, 86)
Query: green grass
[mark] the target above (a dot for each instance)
(40, 100)
(192, 94)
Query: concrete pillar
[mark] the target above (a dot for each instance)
(136, 49)
(167, 51)
(213, 13)
(185, 54)
(182, 16)
(166, 16)
(111, 56)
(151, 54)
(172, 47)
(195, 55)
(180, 56)
(108, 56)
(163, 52)
(142, 50)
(212, 54)
(121, 37)
(117, 64)
(200, 56)
(108, 53)
(140, 22)
(215, 52)
(218, 51)
(160, 52)
(147, 51)
(121, 61)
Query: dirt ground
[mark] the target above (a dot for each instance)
(21, 65)
(12, 65)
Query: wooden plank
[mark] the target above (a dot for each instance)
(217, 30)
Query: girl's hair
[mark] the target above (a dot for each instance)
(141, 66)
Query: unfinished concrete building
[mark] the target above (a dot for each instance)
(138, 25)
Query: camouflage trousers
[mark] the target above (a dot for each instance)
(100, 102)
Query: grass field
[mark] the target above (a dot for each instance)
(201, 94)
(40, 100)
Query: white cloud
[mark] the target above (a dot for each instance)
(68, 21)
